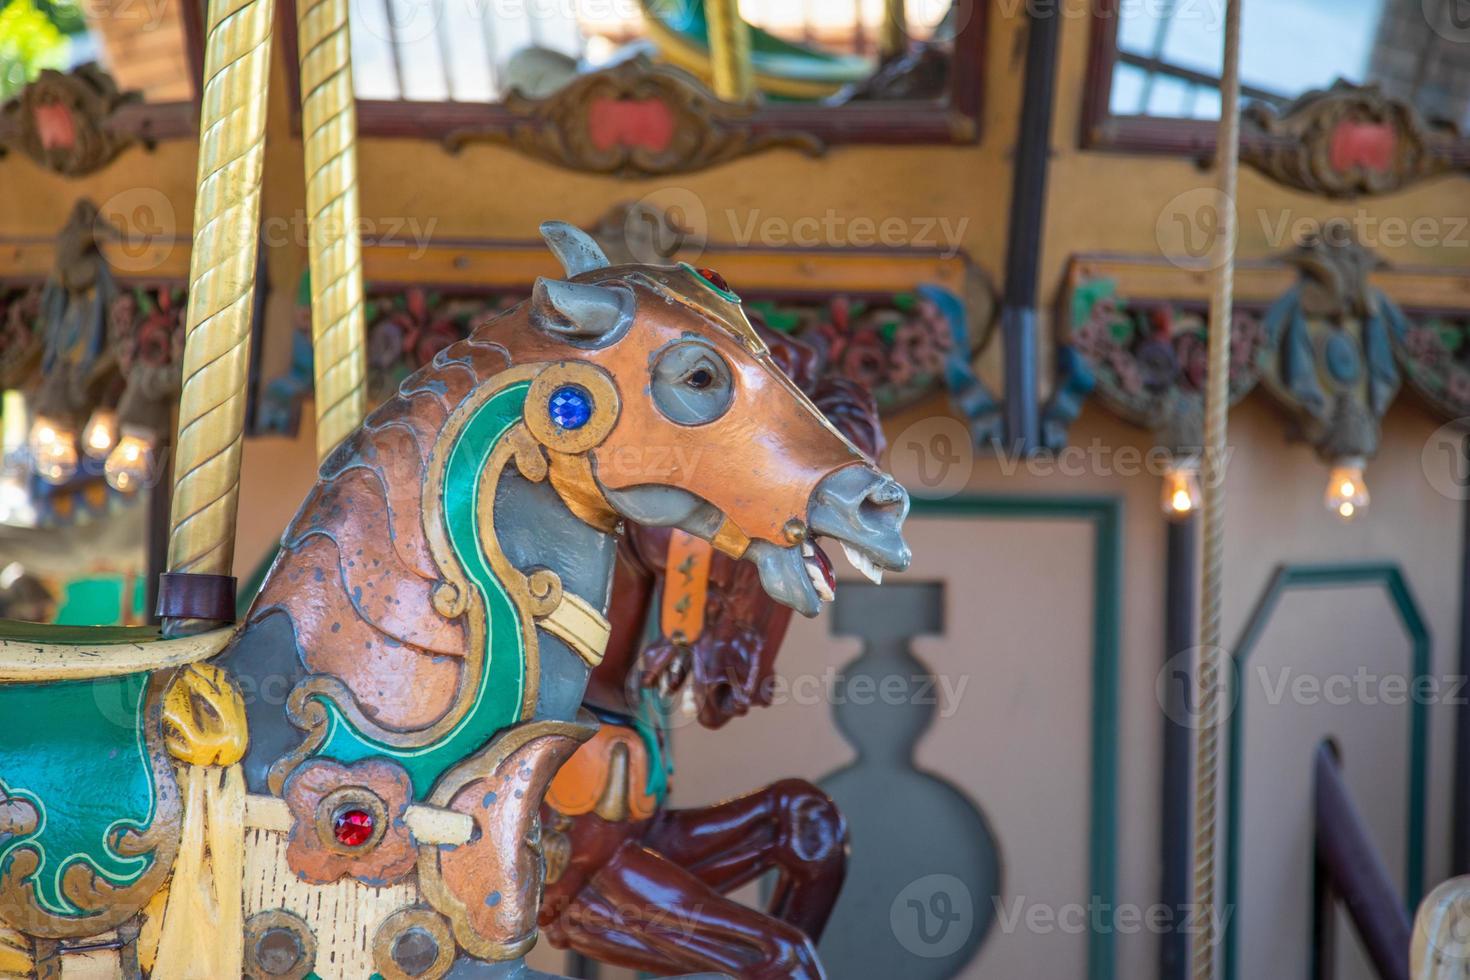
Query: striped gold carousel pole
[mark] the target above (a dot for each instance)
(329, 125)
(893, 36)
(222, 268)
(729, 49)
(202, 931)
(1211, 665)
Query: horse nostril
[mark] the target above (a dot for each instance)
(887, 493)
(885, 503)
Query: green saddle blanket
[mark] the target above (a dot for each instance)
(75, 778)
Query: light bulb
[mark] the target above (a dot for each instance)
(16, 506)
(53, 450)
(1181, 496)
(13, 416)
(128, 466)
(1347, 493)
(100, 433)
(44, 432)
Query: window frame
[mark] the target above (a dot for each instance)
(1100, 130)
(955, 120)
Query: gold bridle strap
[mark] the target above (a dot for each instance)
(686, 587)
(730, 540)
(580, 626)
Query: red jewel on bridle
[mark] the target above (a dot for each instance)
(714, 279)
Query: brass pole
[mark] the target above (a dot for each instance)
(729, 49)
(329, 125)
(237, 59)
(893, 36)
(1211, 664)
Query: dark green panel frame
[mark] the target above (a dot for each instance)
(1390, 578)
(1105, 515)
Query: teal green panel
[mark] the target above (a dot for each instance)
(92, 602)
(89, 780)
(502, 682)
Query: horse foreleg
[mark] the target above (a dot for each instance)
(790, 825)
(643, 911)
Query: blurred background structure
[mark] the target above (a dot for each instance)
(999, 218)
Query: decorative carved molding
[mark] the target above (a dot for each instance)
(1346, 141)
(1434, 354)
(61, 121)
(1328, 330)
(1147, 360)
(902, 347)
(21, 339)
(1330, 361)
(636, 119)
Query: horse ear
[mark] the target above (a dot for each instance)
(573, 248)
(578, 310)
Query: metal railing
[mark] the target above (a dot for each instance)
(1351, 873)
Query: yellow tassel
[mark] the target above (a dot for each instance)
(203, 922)
(15, 954)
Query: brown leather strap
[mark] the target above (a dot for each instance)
(187, 595)
(686, 585)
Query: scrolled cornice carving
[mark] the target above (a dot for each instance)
(1346, 141)
(636, 119)
(61, 121)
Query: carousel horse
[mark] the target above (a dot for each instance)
(611, 845)
(365, 759)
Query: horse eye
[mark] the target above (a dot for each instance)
(701, 378)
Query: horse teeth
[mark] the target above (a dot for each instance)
(819, 580)
(863, 564)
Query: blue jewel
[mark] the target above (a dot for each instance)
(570, 407)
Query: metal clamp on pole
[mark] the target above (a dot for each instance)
(196, 595)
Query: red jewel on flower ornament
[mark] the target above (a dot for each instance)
(353, 828)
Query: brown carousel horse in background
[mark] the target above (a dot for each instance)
(633, 883)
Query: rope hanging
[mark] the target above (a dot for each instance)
(1209, 664)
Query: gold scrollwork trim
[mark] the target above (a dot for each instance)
(279, 925)
(402, 924)
(483, 766)
(600, 388)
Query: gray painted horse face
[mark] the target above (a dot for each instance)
(747, 462)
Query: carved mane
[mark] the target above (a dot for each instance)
(356, 575)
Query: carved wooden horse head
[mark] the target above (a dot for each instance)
(718, 630)
(440, 598)
(699, 428)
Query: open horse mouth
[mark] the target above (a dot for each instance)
(860, 509)
(819, 570)
(824, 579)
